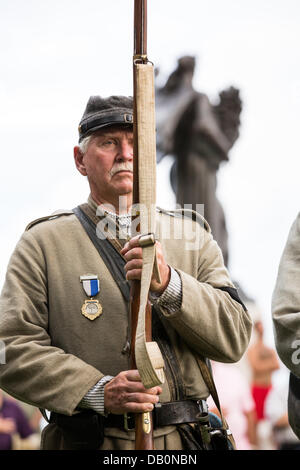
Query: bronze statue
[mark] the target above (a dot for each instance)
(199, 135)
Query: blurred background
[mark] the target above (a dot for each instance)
(54, 55)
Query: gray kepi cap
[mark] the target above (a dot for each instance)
(103, 112)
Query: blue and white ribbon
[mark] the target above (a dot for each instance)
(90, 284)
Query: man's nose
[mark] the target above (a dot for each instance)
(125, 150)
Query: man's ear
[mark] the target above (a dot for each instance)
(78, 157)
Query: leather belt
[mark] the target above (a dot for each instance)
(164, 414)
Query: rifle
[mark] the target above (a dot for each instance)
(145, 355)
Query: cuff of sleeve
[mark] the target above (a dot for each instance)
(94, 398)
(171, 298)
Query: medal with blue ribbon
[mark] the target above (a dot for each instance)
(91, 308)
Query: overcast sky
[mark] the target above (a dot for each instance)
(55, 54)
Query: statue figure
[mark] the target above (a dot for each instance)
(199, 135)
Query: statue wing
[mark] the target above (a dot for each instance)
(228, 112)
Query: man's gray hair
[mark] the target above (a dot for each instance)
(83, 145)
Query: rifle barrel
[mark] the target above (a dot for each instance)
(140, 28)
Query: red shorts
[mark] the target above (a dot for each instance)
(259, 393)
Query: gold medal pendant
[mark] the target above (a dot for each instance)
(91, 309)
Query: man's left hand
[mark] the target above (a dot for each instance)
(133, 254)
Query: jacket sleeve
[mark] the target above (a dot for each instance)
(286, 302)
(35, 371)
(210, 320)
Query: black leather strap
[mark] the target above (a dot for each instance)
(178, 412)
(166, 414)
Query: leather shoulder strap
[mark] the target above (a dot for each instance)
(208, 379)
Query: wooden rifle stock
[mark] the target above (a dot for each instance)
(143, 421)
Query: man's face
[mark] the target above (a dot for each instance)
(108, 164)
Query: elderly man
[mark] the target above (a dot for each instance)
(64, 314)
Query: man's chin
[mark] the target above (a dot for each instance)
(125, 190)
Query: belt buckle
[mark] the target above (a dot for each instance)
(127, 418)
